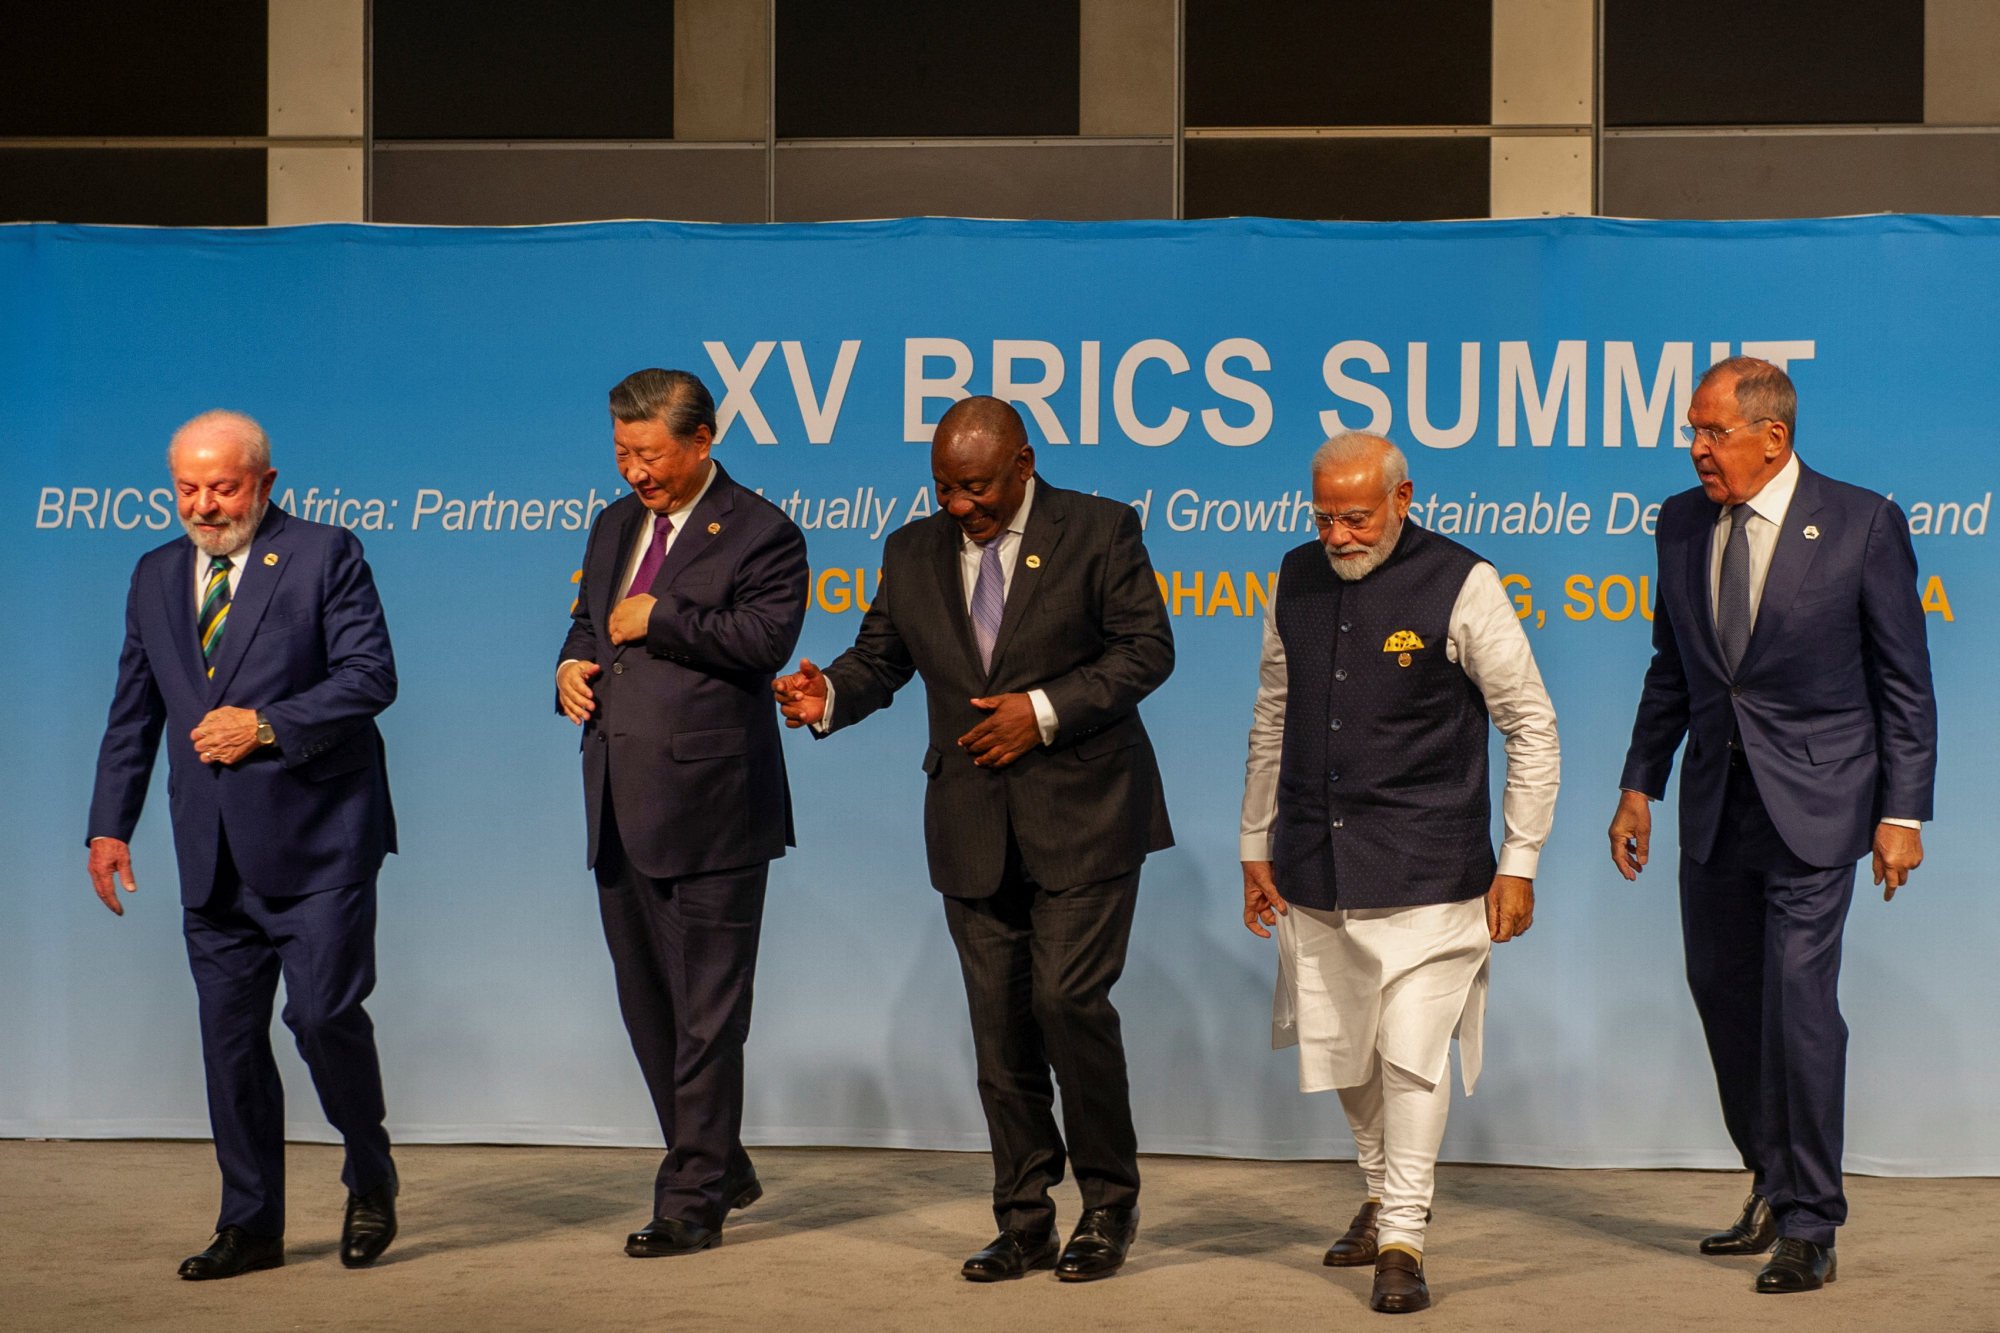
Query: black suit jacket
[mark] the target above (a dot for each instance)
(1085, 623)
(684, 739)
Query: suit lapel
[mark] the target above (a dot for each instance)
(705, 522)
(608, 580)
(178, 598)
(1791, 559)
(252, 596)
(1701, 602)
(945, 567)
(1039, 540)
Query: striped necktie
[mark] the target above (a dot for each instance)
(214, 609)
(989, 601)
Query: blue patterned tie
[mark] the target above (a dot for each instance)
(1732, 600)
(989, 601)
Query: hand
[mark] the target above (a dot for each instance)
(1631, 832)
(801, 696)
(1261, 904)
(630, 618)
(1898, 851)
(1008, 731)
(1510, 907)
(573, 692)
(109, 859)
(225, 735)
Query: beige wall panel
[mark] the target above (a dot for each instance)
(1541, 177)
(1543, 62)
(722, 69)
(1127, 67)
(317, 50)
(1962, 62)
(1060, 179)
(312, 185)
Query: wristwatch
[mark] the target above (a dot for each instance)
(265, 736)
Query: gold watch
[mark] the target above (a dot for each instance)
(265, 736)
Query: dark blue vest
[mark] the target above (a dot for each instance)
(1382, 798)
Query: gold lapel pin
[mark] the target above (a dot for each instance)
(714, 528)
(270, 557)
(1034, 562)
(1812, 533)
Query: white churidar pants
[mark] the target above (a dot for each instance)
(1373, 997)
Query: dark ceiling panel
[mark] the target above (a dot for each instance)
(1339, 62)
(164, 187)
(133, 67)
(1371, 180)
(1774, 62)
(524, 69)
(916, 69)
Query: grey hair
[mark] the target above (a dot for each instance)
(675, 398)
(1355, 446)
(1762, 389)
(243, 428)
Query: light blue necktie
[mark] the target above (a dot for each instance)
(989, 601)
(1732, 599)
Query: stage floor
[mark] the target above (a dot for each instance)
(531, 1238)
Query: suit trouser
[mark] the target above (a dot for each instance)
(1762, 932)
(684, 952)
(1039, 967)
(323, 944)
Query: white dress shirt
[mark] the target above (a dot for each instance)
(1768, 508)
(969, 554)
(1485, 639)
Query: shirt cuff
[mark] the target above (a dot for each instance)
(1253, 847)
(1519, 861)
(825, 723)
(1902, 823)
(1045, 713)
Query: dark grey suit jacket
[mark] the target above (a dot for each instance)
(1085, 623)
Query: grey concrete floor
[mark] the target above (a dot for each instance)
(531, 1238)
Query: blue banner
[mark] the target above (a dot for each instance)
(442, 392)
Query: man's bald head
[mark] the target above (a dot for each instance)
(981, 461)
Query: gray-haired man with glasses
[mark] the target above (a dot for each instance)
(1366, 830)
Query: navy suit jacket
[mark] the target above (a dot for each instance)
(306, 644)
(685, 737)
(1085, 623)
(1833, 697)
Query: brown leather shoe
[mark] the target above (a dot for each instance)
(1752, 1233)
(1797, 1265)
(1399, 1284)
(1356, 1246)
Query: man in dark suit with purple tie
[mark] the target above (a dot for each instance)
(256, 643)
(1789, 652)
(692, 596)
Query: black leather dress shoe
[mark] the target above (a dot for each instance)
(370, 1224)
(1011, 1254)
(665, 1236)
(1752, 1233)
(234, 1251)
(1797, 1265)
(1097, 1247)
(1399, 1284)
(1356, 1246)
(741, 1191)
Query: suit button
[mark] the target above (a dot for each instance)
(1333, 777)
(1340, 823)
(617, 668)
(1340, 673)
(1334, 725)
(1345, 626)
(1736, 691)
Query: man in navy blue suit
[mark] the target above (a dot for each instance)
(257, 644)
(1788, 649)
(693, 593)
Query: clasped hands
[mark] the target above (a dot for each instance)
(225, 735)
(1008, 731)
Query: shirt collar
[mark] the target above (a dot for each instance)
(680, 516)
(1772, 502)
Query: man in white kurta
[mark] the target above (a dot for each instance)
(1366, 840)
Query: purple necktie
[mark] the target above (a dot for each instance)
(989, 601)
(656, 555)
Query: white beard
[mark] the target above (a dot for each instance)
(232, 537)
(1359, 566)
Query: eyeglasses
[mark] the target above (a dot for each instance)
(1352, 520)
(1714, 437)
